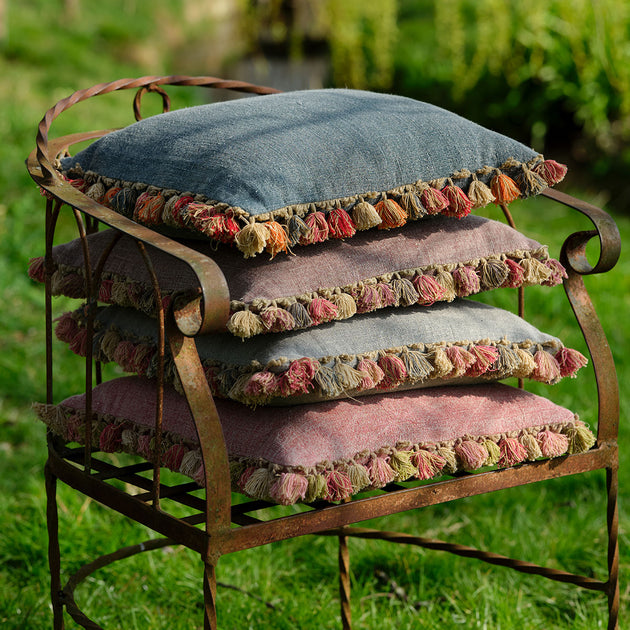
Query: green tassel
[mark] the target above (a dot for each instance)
(358, 476)
(346, 376)
(580, 438)
(316, 488)
(494, 453)
(448, 453)
(400, 461)
(259, 483)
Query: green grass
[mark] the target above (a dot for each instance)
(45, 58)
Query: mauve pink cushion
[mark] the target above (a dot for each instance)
(305, 435)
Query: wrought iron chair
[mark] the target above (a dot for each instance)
(215, 527)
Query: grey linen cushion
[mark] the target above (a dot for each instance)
(274, 171)
(431, 261)
(384, 350)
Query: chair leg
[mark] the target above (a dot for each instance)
(613, 549)
(54, 554)
(209, 597)
(344, 583)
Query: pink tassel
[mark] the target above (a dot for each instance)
(141, 358)
(393, 369)
(547, 369)
(551, 171)
(380, 472)
(429, 290)
(461, 360)
(512, 452)
(105, 291)
(570, 361)
(485, 356)
(67, 328)
(322, 310)
(516, 274)
(433, 200)
(459, 204)
(298, 379)
(374, 374)
(123, 354)
(172, 459)
(552, 444)
(558, 273)
(338, 486)
(318, 229)
(110, 438)
(261, 385)
(386, 295)
(368, 299)
(471, 454)
(428, 464)
(466, 281)
(340, 224)
(277, 319)
(289, 488)
(79, 344)
(36, 269)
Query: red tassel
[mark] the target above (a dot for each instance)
(380, 472)
(386, 295)
(516, 274)
(261, 385)
(322, 310)
(36, 269)
(558, 273)
(393, 369)
(179, 211)
(570, 361)
(105, 291)
(461, 360)
(433, 200)
(340, 224)
(289, 488)
(459, 204)
(172, 459)
(67, 328)
(318, 229)
(472, 455)
(504, 189)
(551, 171)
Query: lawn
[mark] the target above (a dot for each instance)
(292, 584)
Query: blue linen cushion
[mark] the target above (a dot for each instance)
(274, 171)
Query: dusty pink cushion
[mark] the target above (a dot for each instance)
(334, 449)
(431, 261)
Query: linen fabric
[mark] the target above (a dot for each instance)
(339, 447)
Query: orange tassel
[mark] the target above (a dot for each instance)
(504, 188)
(392, 215)
(278, 239)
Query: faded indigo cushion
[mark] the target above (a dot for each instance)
(431, 261)
(335, 449)
(272, 172)
(422, 346)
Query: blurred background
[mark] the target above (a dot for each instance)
(555, 74)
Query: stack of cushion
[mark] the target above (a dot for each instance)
(352, 356)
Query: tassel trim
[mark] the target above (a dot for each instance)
(304, 224)
(332, 377)
(329, 481)
(421, 285)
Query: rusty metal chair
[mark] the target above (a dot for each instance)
(215, 527)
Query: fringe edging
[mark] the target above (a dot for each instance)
(304, 224)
